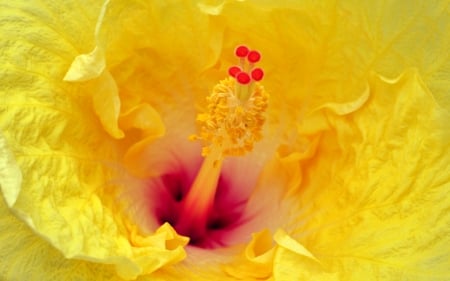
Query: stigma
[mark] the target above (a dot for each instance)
(230, 126)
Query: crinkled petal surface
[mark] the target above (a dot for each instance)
(357, 190)
(372, 203)
(67, 156)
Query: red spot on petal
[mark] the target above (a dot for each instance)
(243, 78)
(241, 51)
(257, 74)
(234, 70)
(253, 56)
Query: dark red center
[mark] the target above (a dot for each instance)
(226, 214)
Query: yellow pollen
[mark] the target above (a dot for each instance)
(231, 124)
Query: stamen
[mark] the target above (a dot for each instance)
(231, 126)
(234, 119)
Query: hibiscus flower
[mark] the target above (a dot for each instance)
(138, 143)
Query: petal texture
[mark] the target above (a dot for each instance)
(56, 132)
(372, 202)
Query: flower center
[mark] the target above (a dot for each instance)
(225, 216)
(230, 126)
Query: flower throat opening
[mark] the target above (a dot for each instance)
(230, 126)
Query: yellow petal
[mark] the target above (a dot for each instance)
(378, 172)
(346, 108)
(86, 66)
(105, 97)
(72, 167)
(166, 246)
(211, 9)
(143, 117)
(146, 119)
(89, 66)
(26, 259)
(285, 241)
(392, 38)
(255, 262)
(10, 175)
(317, 52)
(103, 88)
(294, 262)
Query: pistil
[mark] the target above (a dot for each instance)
(230, 127)
(198, 203)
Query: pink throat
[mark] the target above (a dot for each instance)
(224, 217)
